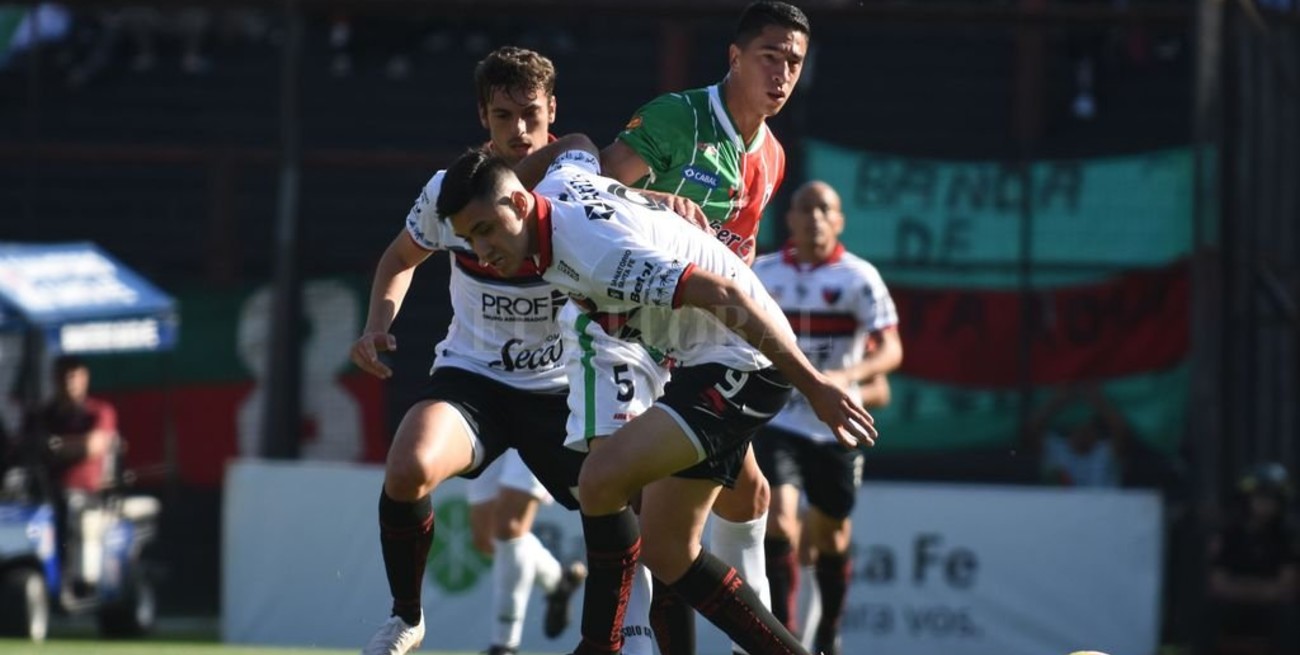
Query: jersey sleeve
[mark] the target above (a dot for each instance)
(575, 160)
(662, 132)
(875, 308)
(619, 269)
(422, 222)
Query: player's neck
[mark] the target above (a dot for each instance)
(748, 121)
(812, 255)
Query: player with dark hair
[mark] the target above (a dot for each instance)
(490, 359)
(641, 276)
(712, 150)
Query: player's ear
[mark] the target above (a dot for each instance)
(482, 115)
(733, 57)
(519, 202)
(552, 103)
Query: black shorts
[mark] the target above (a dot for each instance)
(721, 410)
(503, 417)
(827, 472)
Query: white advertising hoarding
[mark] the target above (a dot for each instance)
(962, 570)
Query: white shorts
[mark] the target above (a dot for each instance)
(611, 381)
(507, 471)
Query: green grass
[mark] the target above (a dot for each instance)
(163, 647)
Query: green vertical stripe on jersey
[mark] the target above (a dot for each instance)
(588, 378)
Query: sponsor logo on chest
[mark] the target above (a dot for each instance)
(701, 176)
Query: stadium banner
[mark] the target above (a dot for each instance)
(957, 569)
(1094, 289)
(1113, 212)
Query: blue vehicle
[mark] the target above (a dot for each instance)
(106, 573)
(74, 298)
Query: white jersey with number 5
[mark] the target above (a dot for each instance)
(503, 328)
(627, 256)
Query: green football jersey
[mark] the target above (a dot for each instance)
(693, 149)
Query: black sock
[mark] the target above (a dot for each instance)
(715, 590)
(405, 534)
(833, 584)
(783, 578)
(672, 620)
(613, 548)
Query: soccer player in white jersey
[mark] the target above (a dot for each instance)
(663, 283)
(847, 326)
(497, 388)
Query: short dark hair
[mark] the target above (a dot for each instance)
(65, 364)
(510, 68)
(475, 175)
(763, 13)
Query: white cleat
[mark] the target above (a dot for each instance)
(396, 637)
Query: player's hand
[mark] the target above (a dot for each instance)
(852, 425)
(684, 207)
(365, 353)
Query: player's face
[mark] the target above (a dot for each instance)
(518, 121)
(815, 219)
(495, 231)
(768, 67)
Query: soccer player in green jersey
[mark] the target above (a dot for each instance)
(712, 146)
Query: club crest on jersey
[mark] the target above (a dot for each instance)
(708, 149)
(831, 294)
(701, 177)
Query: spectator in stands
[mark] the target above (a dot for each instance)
(77, 435)
(1254, 565)
(1087, 453)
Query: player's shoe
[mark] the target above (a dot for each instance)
(500, 650)
(557, 602)
(833, 648)
(396, 637)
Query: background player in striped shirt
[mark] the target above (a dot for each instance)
(713, 146)
(846, 324)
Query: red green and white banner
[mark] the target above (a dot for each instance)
(1095, 289)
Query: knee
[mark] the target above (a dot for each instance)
(406, 478)
(785, 528)
(601, 487)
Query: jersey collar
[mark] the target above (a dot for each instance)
(790, 256)
(545, 253)
(728, 125)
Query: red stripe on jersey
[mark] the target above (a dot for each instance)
(822, 324)
(544, 252)
(762, 172)
(681, 284)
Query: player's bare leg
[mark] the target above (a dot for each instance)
(432, 444)
(648, 450)
(482, 521)
(782, 548)
(830, 538)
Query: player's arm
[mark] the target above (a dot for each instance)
(392, 280)
(719, 296)
(885, 358)
(531, 169)
(875, 392)
(623, 163)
